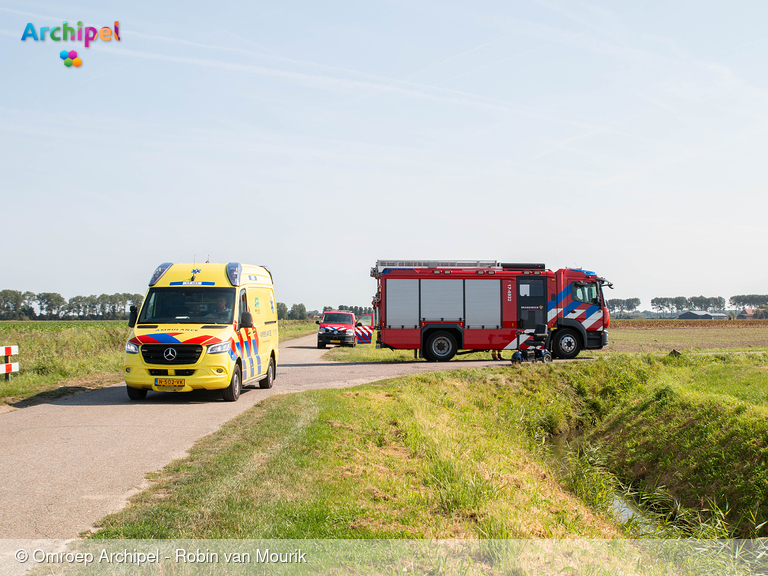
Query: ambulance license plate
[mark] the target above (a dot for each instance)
(335, 341)
(169, 383)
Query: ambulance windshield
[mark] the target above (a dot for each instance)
(188, 305)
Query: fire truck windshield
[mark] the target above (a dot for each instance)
(588, 293)
(188, 305)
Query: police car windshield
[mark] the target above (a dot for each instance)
(188, 305)
(336, 318)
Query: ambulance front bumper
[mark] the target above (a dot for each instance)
(181, 378)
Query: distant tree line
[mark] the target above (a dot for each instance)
(748, 300)
(680, 304)
(620, 305)
(16, 305)
(356, 310)
(297, 312)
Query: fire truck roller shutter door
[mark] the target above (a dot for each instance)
(442, 300)
(401, 308)
(483, 303)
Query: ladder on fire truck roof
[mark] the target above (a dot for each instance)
(381, 265)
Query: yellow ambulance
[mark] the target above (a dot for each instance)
(203, 326)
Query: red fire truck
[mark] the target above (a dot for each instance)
(441, 307)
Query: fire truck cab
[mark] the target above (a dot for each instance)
(442, 307)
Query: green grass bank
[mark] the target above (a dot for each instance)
(462, 454)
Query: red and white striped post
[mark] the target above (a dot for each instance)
(7, 367)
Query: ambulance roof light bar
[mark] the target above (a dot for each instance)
(234, 269)
(159, 271)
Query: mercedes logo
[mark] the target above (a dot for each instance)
(169, 354)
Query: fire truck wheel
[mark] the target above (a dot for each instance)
(320, 345)
(232, 392)
(136, 393)
(441, 347)
(269, 380)
(566, 344)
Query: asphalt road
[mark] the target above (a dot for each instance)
(67, 463)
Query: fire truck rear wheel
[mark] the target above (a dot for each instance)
(441, 347)
(566, 344)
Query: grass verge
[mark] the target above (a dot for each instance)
(457, 454)
(439, 455)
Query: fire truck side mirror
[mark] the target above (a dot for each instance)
(317, 321)
(520, 323)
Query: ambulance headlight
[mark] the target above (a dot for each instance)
(218, 348)
(131, 348)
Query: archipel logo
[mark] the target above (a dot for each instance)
(70, 58)
(68, 33)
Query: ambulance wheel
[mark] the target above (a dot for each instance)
(566, 344)
(441, 347)
(136, 393)
(232, 392)
(270, 379)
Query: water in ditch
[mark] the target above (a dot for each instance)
(560, 450)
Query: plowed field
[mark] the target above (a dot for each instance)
(665, 335)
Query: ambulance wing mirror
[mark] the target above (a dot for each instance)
(246, 320)
(132, 316)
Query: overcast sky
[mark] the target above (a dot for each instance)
(628, 138)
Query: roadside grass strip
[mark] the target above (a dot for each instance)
(62, 358)
(463, 454)
(59, 358)
(295, 328)
(425, 456)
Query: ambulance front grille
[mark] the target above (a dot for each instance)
(184, 353)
